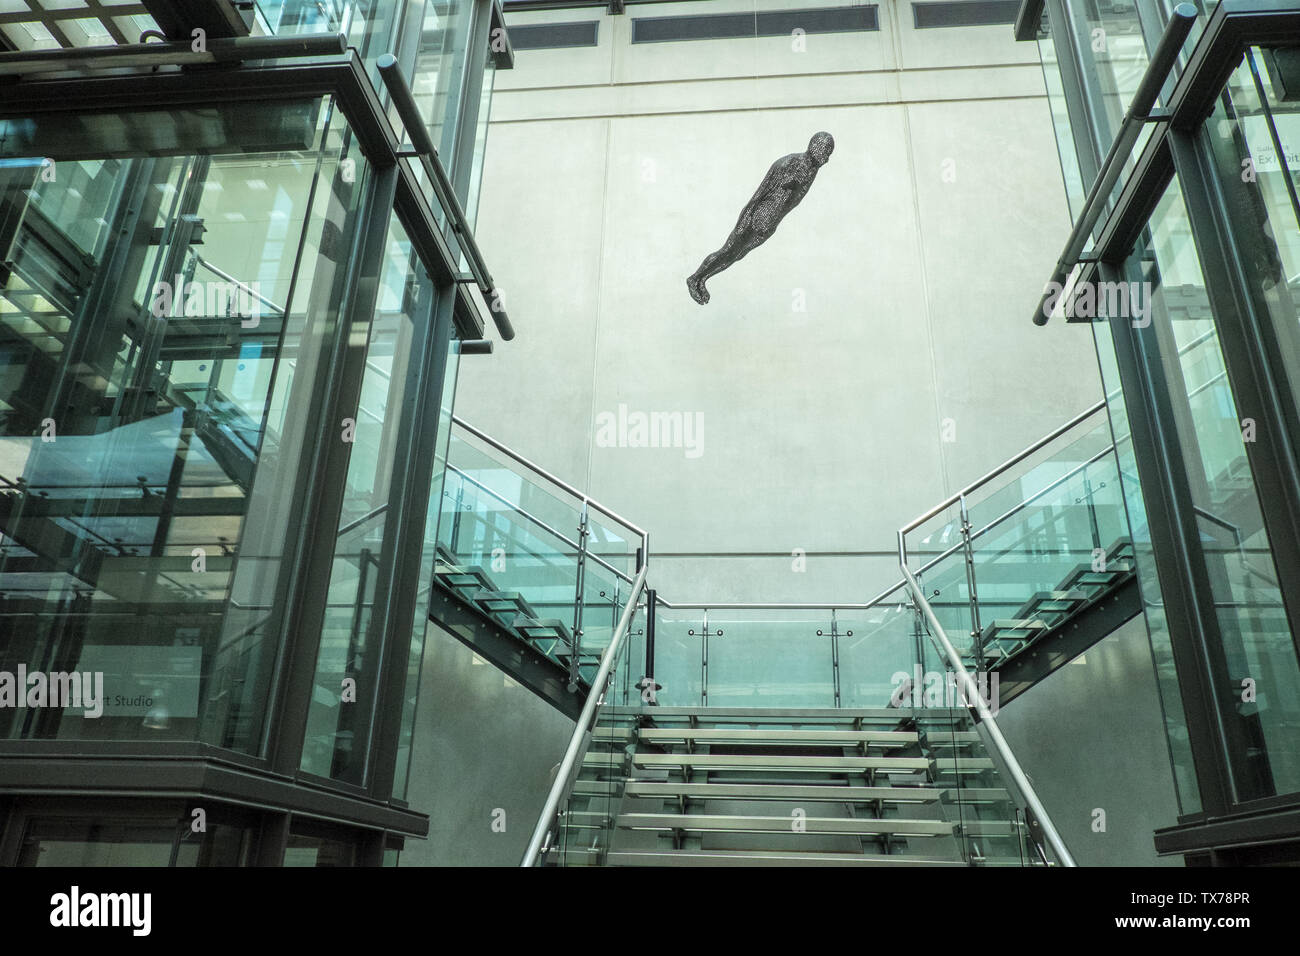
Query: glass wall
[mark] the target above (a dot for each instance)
(1258, 676)
(346, 666)
(167, 281)
(1175, 719)
(440, 68)
(1255, 135)
(428, 560)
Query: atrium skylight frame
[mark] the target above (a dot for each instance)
(68, 24)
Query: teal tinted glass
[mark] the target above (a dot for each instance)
(346, 665)
(162, 321)
(1257, 650)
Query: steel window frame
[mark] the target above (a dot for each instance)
(1179, 146)
(195, 770)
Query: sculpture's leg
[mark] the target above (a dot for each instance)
(713, 263)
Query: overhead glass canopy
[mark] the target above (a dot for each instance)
(60, 24)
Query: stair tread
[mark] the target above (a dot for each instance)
(765, 762)
(744, 823)
(794, 715)
(814, 792)
(761, 736)
(766, 858)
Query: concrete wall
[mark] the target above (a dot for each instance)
(482, 744)
(897, 296)
(1091, 737)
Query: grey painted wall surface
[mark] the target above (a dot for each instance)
(1091, 736)
(481, 742)
(894, 298)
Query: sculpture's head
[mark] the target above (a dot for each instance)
(820, 147)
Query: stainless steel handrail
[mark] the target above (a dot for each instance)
(558, 482)
(222, 274)
(1139, 112)
(1013, 460)
(541, 524)
(725, 606)
(571, 762)
(975, 700)
(1018, 508)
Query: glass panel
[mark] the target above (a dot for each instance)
(368, 24)
(337, 723)
(586, 830)
(81, 842)
(428, 560)
(1180, 751)
(480, 138)
(877, 652)
(509, 543)
(156, 393)
(1072, 178)
(679, 662)
(31, 27)
(439, 68)
(1115, 58)
(1260, 185)
(975, 796)
(312, 845)
(1256, 639)
(769, 658)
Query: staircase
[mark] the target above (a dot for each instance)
(1046, 611)
(774, 734)
(669, 786)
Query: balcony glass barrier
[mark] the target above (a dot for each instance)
(1032, 543)
(544, 564)
(585, 827)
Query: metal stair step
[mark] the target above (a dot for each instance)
(764, 737)
(782, 763)
(706, 716)
(543, 629)
(963, 764)
(711, 823)
(463, 580)
(811, 793)
(765, 858)
(507, 606)
(977, 795)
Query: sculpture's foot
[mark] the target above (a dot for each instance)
(696, 288)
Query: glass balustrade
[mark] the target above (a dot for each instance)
(543, 564)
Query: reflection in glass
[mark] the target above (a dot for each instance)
(1262, 728)
(161, 316)
(346, 665)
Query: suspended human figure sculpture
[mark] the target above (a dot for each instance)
(785, 184)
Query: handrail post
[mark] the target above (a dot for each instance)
(704, 661)
(648, 685)
(975, 700)
(570, 763)
(835, 657)
(1094, 526)
(972, 592)
(580, 578)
